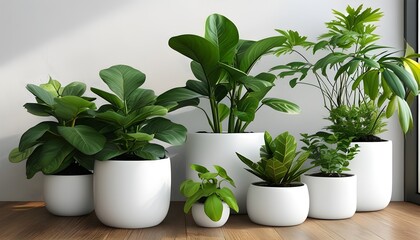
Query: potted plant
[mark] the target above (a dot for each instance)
(361, 83)
(209, 202)
(332, 193)
(62, 146)
(280, 199)
(132, 179)
(221, 64)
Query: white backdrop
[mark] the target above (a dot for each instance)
(73, 40)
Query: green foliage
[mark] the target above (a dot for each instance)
(209, 189)
(131, 119)
(280, 164)
(330, 152)
(356, 122)
(51, 146)
(221, 63)
(352, 68)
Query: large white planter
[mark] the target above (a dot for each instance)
(278, 206)
(373, 167)
(210, 149)
(68, 195)
(331, 197)
(132, 194)
(201, 219)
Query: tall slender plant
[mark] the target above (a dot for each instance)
(221, 63)
(353, 70)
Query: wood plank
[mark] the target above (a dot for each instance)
(307, 230)
(239, 227)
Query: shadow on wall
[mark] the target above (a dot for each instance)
(28, 24)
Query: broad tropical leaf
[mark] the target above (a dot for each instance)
(84, 138)
(165, 130)
(213, 207)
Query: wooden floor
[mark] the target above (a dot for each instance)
(30, 220)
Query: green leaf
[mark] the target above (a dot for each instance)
(176, 95)
(122, 80)
(84, 138)
(16, 156)
(275, 170)
(165, 130)
(31, 137)
(52, 154)
(193, 199)
(224, 34)
(281, 105)
(246, 109)
(199, 168)
(38, 109)
(228, 197)
(137, 117)
(109, 97)
(392, 106)
(188, 188)
(198, 87)
(140, 98)
(213, 207)
(404, 115)
(394, 83)
(404, 76)
(109, 151)
(200, 50)
(223, 110)
(140, 137)
(41, 93)
(371, 84)
(222, 173)
(74, 89)
(69, 107)
(414, 67)
(151, 151)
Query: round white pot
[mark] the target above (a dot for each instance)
(278, 206)
(210, 149)
(132, 194)
(373, 167)
(331, 197)
(68, 195)
(201, 219)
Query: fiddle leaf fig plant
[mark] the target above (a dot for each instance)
(280, 163)
(221, 64)
(330, 152)
(131, 119)
(353, 70)
(209, 191)
(52, 146)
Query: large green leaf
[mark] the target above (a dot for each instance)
(394, 83)
(256, 50)
(188, 188)
(109, 97)
(414, 68)
(228, 197)
(16, 156)
(200, 50)
(109, 151)
(52, 154)
(223, 111)
(371, 84)
(405, 77)
(111, 117)
(74, 89)
(140, 98)
(404, 115)
(84, 138)
(32, 135)
(137, 117)
(69, 107)
(165, 130)
(38, 109)
(281, 105)
(223, 33)
(176, 95)
(246, 109)
(198, 87)
(151, 152)
(275, 170)
(213, 207)
(41, 94)
(285, 149)
(122, 80)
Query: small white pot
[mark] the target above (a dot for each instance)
(201, 219)
(277, 206)
(132, 194)
(210, 149)
(331, 197)
(373, 167)
(68, 195)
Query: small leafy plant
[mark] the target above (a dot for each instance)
(131, 120)
(209, 191)
(329, 152)
(352, 70)
(67, 141)
(221, 64)
(280, 164)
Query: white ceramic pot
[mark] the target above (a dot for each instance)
(373, 167)
(132, 194)
(277, 206)
(201, 219)
(331, 197)
(68, 195)
(210, 149)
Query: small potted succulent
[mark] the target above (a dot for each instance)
(209, 201)
(132, 179)
(62, 146)
(221, 64)
(332, 192)
(280, 199)
(361, 83)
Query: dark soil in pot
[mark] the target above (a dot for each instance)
(265, 184)
(320, 174)
(369, 138)
(74, 169)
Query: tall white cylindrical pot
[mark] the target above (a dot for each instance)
(210, 149)
(68, 195)
(132, 194)
(278, 206)
(373, 167)
(331, 197)
(201, 219)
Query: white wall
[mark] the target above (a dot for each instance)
(73, 40)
